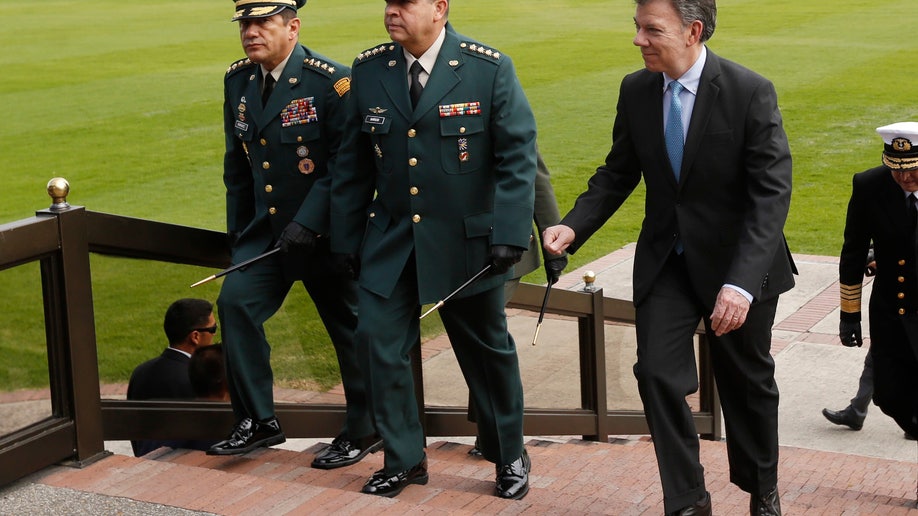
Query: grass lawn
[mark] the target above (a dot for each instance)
(124, 100)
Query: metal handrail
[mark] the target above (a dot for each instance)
(61, 240)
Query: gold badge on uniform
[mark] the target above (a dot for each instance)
(378, 151)
(463, 149)
(306, 166)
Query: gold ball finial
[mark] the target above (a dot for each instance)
(58, 188)
(588, 278)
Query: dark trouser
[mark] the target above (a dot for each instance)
(861, 400)
(250, 297)
(477, 329)
(895, 365)
(666, 374)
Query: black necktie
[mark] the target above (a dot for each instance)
(415, 88)
(268, 88)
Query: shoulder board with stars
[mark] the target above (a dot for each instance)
(477, 49)
(320, 66)
(243, 63)
(375, 51)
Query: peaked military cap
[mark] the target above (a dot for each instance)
(246, 9)
(900, 149)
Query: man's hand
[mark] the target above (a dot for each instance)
(553, 268)
(556, 239)
(347, 264)
(730, 311)
(503, 257)
(850, 333)
(297, 237)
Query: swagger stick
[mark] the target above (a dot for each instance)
(453, 293)
(542, 311)
(238, 266)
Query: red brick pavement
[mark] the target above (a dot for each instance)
(577, 477)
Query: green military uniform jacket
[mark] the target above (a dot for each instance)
(451, 177)
(279, 157)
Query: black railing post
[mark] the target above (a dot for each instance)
(70, 329)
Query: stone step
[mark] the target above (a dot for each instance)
(573, 477)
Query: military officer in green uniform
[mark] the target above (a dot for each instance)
(436, 182)
(282, 146)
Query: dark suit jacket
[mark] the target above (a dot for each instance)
(451, 178)
(162, 378)
(877, 213)
(279, 157)
(731, 202)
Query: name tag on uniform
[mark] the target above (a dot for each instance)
(242, 126)
(374, 119)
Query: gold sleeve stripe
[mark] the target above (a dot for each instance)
(850, 298)
(343, 86)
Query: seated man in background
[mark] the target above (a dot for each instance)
(189, 323)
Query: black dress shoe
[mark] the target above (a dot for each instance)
(700, 508)
(248, 435)
(768, 504)
(475, 451)
(846, 417)
(513, 479)
(344, 452)
(381, 484)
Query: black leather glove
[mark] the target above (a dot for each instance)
(850, 333)
(503, 257)
(347, 264)
(297, 237)
(553, 268)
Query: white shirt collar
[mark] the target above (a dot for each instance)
(278, 70)
(429, 57)
(692, 77)
(187, 354)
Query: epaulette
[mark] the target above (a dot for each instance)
(240, 64)
(320, 66)
(477, 49)
(375, 51)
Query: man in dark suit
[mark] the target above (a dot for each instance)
(281, 151)
(711, 247)
(882, 211)
(436, 182)
(189, 324)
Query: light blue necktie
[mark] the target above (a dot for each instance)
(675, 139)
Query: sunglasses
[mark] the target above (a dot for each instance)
(212, 329)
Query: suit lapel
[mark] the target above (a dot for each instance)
(653, 124)
(395, 82)
(706, 98)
